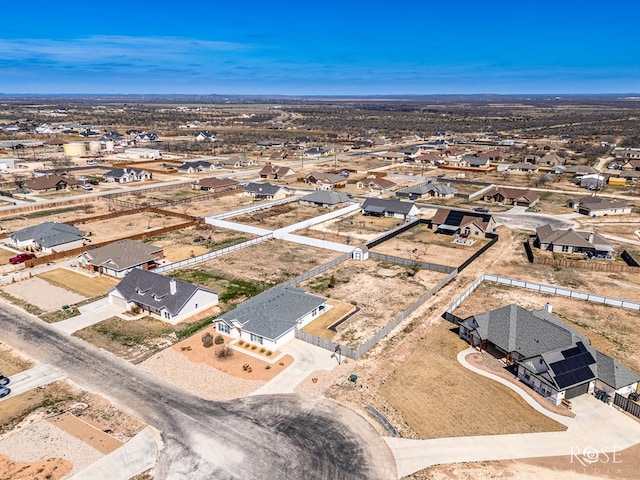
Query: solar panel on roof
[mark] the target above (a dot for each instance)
(574, 377)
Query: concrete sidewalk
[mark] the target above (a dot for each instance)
(307, 359)
(37, 376)
(135, 457)
(89, 315)
(597, 428)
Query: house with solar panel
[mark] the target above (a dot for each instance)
(450, 221)
(549, 356)
(270, 319)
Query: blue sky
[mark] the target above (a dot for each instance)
(319, 48)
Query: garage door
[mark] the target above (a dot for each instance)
(574, 392)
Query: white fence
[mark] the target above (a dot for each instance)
(239, 227)
(253, 208)
(542, 288)
(315, 242)
(209, 255)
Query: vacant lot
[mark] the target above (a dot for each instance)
(41, 294)
(421, 244)
(360, 224)
(248, 271)
(15, 222)
(136, 340)
(84, 285)
(438, 397)
(196, 240)
(119, 227)
(381, 290)
(611, 330)
(280, 215)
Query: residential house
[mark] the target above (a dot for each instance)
(204, 136)
(627, 153)
(380, 207)
(550, 160)
(314, 152)
(494, 155)
(391, 156)
(376, 185)
(577, 170)
(237, 162)
(146, 137)
(172, 300)
(265, 191)
(196, 166)
(572, 241)
(51, 182)
(125, 175)
(597, 206)
(362, 144)
(462, 222)
(551, 357)
(523, 167)
(49, 237)
(512, 196)
(216, 185)
(592, 181)
(269, 144)
(119, 258)
(271, 318)
(325, 181)
(475, 161)
(275, 172)
(632, 165)
(325, 199)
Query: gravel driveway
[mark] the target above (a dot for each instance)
(42, 294)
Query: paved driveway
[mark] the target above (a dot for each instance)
(35, 377)
(89, 315)
(307, 359)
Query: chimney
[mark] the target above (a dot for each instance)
(548, 307)
(173, 287)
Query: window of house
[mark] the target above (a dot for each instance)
(565, 248)
(256, 339)
(223, 328)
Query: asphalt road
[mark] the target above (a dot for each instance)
(271, 436)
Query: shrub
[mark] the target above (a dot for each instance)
(219, 340)
(207, 340)
(245, 367)
(240, 342)
(253, 347)
(269, 353)
(262, 350)
(224, 352)
(267, 367)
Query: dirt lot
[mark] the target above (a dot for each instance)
(136, 340)
(85, 285)
(196, 240)
(61, 214)
(381, 291)
(280, 216)
(42, 294)
(420, 243)
(248, 271)
(116, 228)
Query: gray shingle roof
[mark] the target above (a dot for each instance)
(274, 312)
(514, 329)
(122, 254)
(262, 188)
(613, 373)
(152, 289)
(392, 206)
(325, 197)
(48, 234)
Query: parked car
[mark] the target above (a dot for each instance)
(21, 257)
(481, 209)
(93, 181)
(4, 380)
(87, 187)
(4, 391)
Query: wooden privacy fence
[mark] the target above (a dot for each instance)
(627, 405)
(598, 266)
